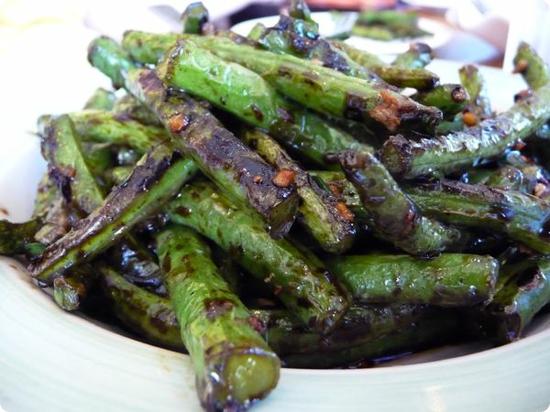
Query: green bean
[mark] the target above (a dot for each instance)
(449, 280)
(143, 312)
(459, 150)
(233, 365)
(519, 301)
(101, 100)
(418, 56)
(531, 66)
(194, 17)
(450, 98)
(521, 217)
(391, 213)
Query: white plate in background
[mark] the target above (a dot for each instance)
(333, 23)
(55, 361)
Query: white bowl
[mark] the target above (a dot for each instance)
(55, 361)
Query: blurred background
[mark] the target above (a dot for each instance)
(476, 31)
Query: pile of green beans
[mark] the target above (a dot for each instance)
(233, 201)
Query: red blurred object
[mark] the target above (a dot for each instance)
(353, 4)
